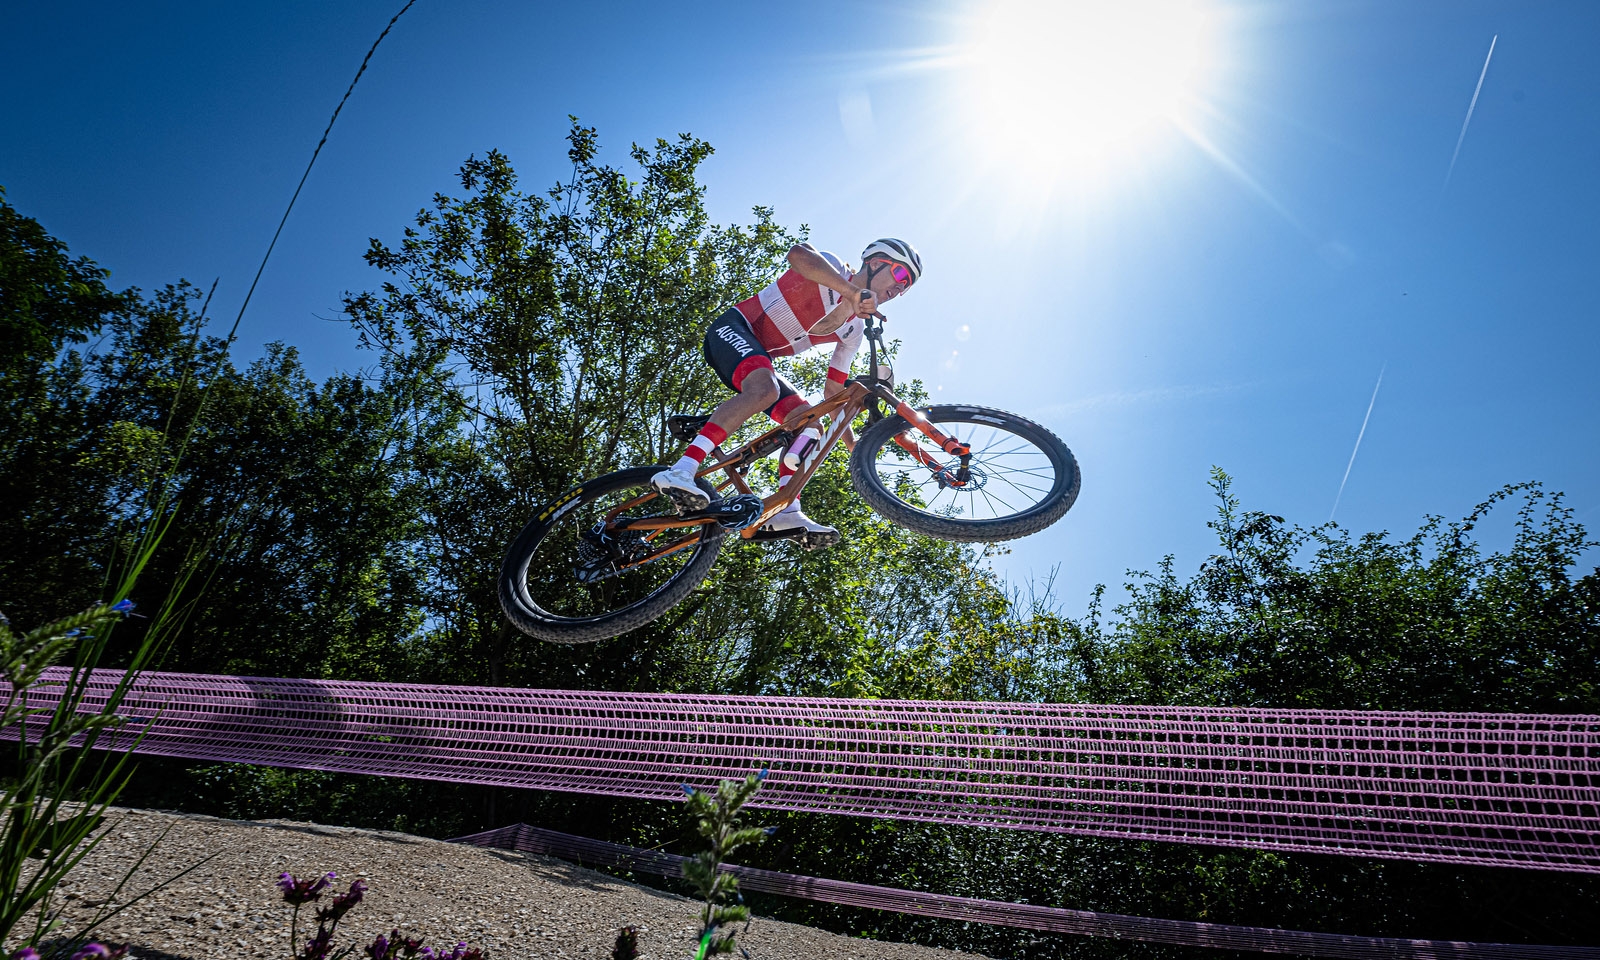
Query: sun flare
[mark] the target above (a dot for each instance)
(1057, 85)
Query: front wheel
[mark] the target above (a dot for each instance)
(1020, 478)
(568, 579)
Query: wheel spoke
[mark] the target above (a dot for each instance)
(1023, 490)
(1032, 472)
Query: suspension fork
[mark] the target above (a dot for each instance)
(919, 422)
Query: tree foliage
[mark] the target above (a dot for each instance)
(1290, 617)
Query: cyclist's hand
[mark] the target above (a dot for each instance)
(865, 303)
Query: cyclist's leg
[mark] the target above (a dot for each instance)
(734, 351)
(792, 520)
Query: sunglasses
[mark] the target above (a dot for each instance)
(901, 275)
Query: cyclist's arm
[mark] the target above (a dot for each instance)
(807, 262)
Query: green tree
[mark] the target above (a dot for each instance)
(569, 323)
(55, 515)
(1288, 616)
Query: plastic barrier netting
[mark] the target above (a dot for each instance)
(1189, 933)
(1499, 789)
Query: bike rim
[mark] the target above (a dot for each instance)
(1011, 474)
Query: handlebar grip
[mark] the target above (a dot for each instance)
(867, 292)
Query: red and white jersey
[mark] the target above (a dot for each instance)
(781, 314)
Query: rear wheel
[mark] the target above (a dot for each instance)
(1021, 478)
(563, 582)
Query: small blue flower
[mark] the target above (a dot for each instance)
(688, 789)
(72, 633)
(122, 606)
(761, 774)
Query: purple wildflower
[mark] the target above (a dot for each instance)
(627, 945)
(393, 947)
(26, 953)
(343, 902)
(318, 947)
(461, 952)
(99, 951)
(297, 891)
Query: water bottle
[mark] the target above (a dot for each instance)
(801, 448)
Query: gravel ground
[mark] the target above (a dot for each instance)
(513, 905)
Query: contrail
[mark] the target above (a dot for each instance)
(1358, 444)
(1470, 107)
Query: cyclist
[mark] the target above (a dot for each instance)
(819, 300)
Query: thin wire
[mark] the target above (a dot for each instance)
(314, 154)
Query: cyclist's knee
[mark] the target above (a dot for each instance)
(781, 410)
(761, 387)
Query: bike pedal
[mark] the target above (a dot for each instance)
(737, 512)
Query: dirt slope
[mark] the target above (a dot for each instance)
(513, 905)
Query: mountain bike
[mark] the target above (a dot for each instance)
(611, 555)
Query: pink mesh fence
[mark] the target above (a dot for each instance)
(1187, 933)
(1499, 789)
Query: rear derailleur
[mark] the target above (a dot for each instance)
(601, 554)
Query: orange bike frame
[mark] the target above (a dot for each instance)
(840, 409)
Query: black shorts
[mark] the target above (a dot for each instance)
(733, 350)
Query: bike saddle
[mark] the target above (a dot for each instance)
(686, 427)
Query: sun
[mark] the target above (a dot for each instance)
(1059, 85)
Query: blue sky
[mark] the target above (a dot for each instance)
(1220, 287)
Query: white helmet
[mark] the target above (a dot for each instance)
(897, 251)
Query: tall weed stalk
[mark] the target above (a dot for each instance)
(52, 810)
(718, 819)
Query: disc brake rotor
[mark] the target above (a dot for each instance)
(946, 476)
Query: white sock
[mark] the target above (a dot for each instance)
(691, 464)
